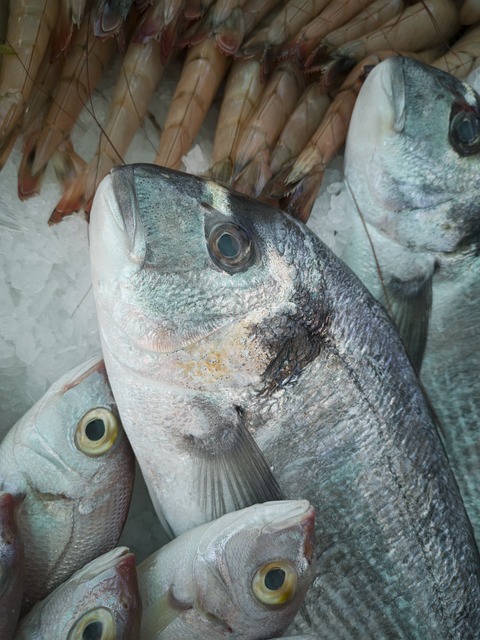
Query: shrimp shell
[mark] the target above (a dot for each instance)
(286, 24)
(29, 27)
(80, 75)
(369, 19)
(203, 71)
(421, 26)
(141, 72)
(242, 92)
(252, 153)
(463, 56)
(334, 15)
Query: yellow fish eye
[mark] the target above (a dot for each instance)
(97, 624)
(96, 432)
(275, 583)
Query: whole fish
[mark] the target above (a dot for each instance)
(101, 601)
(243, 576)
(70, 458)
(11, 566)
(241, 349)
(412, 163)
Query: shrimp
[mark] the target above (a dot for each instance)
(335, 14)
(372, 17)
(140, 75)
(470, 12)
(29, 28)
(37, 109)
(421, 26)
(81, 72)
(110, 16)
(163, 22)
(203, 71)
(300, 127)
(463, 56)
(242, 92)
(301, 186)
(294, 15)
(70, 13)
(251, 168)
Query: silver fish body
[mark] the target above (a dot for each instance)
(412, 161)
(240, 348)
(243, 575)
(101, 600)
(71, 460)
(11, 566)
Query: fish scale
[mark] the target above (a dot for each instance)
(319, 391)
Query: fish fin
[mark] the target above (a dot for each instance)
(160, 614)
(410, 303)
(236, 474)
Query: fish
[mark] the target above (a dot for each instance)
(411, 164)
(243, 575)
(243, 352)
(11, 565)
(100, 600)
(71, 460)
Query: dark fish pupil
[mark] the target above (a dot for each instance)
(275, 579)
(228, 245)
(93, 631)
(95, 430)
(467, 129)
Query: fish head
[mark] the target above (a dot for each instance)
(253, 568)
(101, 600)
(185, 273)
(412, 155)
(71, 443)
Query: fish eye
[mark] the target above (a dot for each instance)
(464, 132)
(230, 247)
(96, 432)
(275, 583)
(97, 624)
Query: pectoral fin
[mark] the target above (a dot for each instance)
(410, 303)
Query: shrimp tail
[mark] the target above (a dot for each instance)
(222, 172)
(72, 201)
(28, 184)
(301, 198)
(277, 188)
(253, 177)
(68, 165)
(230, 32)
(62, 33)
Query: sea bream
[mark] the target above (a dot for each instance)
(412, 163)
(70, 460)
(100, 601)
(247, 359)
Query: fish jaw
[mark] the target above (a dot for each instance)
(406, 177)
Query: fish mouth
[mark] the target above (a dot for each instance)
(125, 213)
(392, 79)
(300, 513)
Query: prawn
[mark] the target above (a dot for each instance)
(294, 15)
(203, 71)
(29, 28)
(162, 21)
(369, 19)
(333, 15)
(420, 26)
(299, 189)
(70, 13)
(242, 92)
(251, 168)
(80, 75)
(140, 74)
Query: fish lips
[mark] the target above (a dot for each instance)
(392, 79)
(125, 213)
